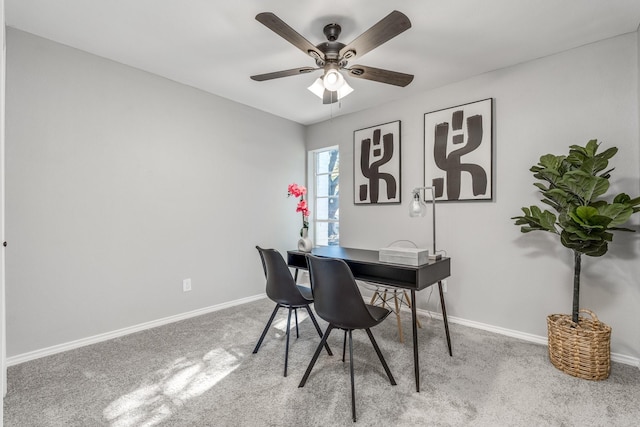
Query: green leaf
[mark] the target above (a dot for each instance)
(618, 213)
(534, 211)
(548, 221)
(550, 175)
(592, 146)
(551, 162)
(594, 165)
(626, 200)
(581, 235)
(608, 154)
(622, 229)
(585, 216)
(584, 186)
(553, 204)
(541, 186)
(536, 219)
(623, 198)
(561, 198)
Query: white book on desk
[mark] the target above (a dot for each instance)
(404, 256)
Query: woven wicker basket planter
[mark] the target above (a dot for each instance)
(581, 350)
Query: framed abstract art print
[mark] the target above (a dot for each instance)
(376, 164)
(458, 151)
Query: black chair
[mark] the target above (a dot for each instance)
(282, 289)
(337, 300)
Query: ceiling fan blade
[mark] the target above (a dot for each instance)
(283, 73)
(281, 28)
(329, 97)
(386, 29)
(380, 75)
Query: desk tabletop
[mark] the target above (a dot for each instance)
(366, 265)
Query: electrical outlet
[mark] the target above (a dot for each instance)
(444, 286)
(186, 285)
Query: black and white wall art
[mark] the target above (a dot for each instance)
(376, 158)
(458, 151)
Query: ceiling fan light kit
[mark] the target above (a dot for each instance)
(319, 89)
(333, 56)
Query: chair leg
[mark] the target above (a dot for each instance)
(315, 356)
(266, 328)
(373, 298)
(384, 364)
(344, 344)
(295, 311)
(286, 350)
(353, 386)
(315, 323)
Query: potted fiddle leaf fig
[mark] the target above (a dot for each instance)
(574, 187)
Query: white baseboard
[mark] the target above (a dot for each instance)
(36, 354)
(537, 339)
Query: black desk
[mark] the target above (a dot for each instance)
(365, 265)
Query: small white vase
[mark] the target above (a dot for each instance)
(305, 244)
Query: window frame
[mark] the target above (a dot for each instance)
(314, 198)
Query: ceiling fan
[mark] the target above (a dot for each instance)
(332, 56)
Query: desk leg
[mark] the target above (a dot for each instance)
(444, 317)
(416, 361)
(295, 276)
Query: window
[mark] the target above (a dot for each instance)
(326, 201)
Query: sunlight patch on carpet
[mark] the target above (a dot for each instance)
(168, 389)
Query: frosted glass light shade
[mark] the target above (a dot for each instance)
(317, 87)
(333, 80)
(344, 90)
(417, 207)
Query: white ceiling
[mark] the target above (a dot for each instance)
(215, 45)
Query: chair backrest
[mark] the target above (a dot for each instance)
(281, 287)
(336, 296)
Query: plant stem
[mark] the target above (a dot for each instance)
(576, 285)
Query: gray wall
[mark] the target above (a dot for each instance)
(3, 353)
(500, 277)
(120, 184)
